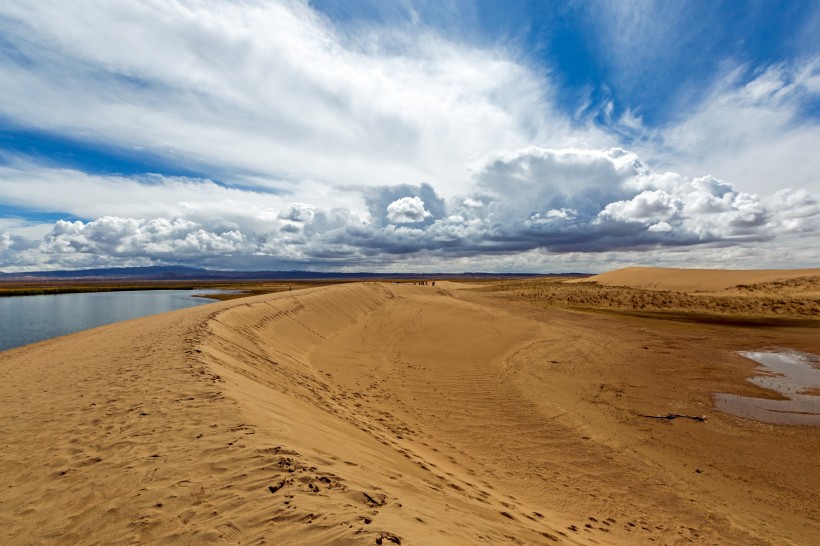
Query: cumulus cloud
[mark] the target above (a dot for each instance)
(404, 203)
(531, 200)
(582, 200)
(648, 206)
(407, 210)
(536, 179)
(298, 212)
(128, 237)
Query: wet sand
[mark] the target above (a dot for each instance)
(380, 414)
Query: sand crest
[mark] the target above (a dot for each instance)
(383, 414)
(704, 280)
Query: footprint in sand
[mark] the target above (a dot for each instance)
(228, 531)
(186, 516)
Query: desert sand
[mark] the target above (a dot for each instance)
(377, 413)
(701, 280)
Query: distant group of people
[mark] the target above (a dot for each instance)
(422, 283)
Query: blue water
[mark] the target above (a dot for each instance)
(27, 319)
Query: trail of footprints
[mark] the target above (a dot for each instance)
(393, 429)
(641, 528)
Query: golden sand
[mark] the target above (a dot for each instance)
(704, 280)
(380, 413)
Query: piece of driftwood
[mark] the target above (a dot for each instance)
(670, 416)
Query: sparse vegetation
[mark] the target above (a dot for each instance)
(242, 289)
(800, 286)
(794, 298)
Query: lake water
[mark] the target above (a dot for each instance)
(27, 319)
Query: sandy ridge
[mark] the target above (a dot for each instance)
(701, 280)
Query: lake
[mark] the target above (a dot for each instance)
(27, 319)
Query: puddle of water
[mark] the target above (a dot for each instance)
(794, 375)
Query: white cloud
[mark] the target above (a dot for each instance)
(648, 206)
(135, 240)
(299, 212)
(5, 241)
(25, 228)
(91, 196)
(585, 196)
(270, 89)
(407, 210)
(754, 133)
(128, 237)
(661, 227)
(530, 200)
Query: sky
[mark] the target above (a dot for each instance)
(409, 136)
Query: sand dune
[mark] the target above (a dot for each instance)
(383, 414)
(704, 280)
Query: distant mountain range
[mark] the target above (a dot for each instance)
(182, 273)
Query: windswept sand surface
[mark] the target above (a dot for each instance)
(704, 280)
(380, 414)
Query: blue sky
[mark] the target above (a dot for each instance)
(650, 57)
(418, 136)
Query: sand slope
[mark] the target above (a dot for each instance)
(705, 280)
(378, 414)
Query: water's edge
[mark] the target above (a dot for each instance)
(29, 319)
(792, 374)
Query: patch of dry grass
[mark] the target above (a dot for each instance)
(799, 287)
(241, 288)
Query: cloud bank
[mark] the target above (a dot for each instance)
(559, 201)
